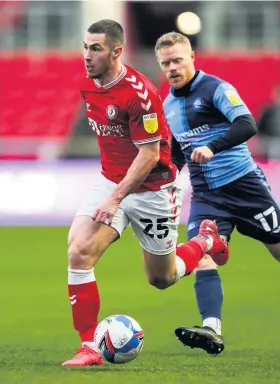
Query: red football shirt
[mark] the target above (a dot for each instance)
(125, 113)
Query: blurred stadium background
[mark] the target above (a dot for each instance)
(42, 120)
(49, 157)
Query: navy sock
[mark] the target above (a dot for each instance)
(209, 293)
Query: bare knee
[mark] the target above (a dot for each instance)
(82, 253)
(160, 269)
(84, 250)
(206, 263)
(160, 282)
(87, 241)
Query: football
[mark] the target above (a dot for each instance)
(119, 338)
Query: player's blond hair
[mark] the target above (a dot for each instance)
(170, 39)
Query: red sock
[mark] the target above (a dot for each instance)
(84, 298)
(191, 253)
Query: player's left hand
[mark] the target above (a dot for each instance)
(201, 155)
(106, 210)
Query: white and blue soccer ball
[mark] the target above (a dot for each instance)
(119, 338)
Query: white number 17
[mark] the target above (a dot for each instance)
(262, 217)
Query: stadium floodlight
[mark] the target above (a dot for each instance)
(188, 23)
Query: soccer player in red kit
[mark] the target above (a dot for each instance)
(138, 185)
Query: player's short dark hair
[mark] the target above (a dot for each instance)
(112, 29)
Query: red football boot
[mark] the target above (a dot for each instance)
(219, 250)
(84, 356)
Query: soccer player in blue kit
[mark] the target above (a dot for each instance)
(210, 125)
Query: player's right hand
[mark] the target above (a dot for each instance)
(106, 211)
(201, 155)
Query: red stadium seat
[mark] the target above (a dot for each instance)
(39, 98)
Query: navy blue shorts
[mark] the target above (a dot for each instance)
(246, 204)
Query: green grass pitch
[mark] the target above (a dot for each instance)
(36, 332)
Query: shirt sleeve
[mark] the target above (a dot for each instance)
(146, 121)
(227, 100)
(241, 130)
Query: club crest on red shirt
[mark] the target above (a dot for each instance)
(111, 112)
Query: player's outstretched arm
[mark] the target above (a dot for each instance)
(243, 126)
(147, 158)
(146, 128)
(144, 162)
(241, 130)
